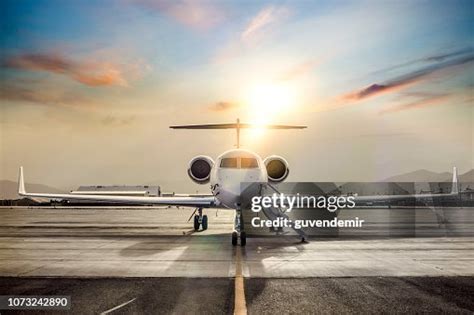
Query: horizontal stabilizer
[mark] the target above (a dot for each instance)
(234, 126)
(237, 126)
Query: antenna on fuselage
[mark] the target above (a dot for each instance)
(237, 126)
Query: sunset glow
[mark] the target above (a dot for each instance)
(110, 77)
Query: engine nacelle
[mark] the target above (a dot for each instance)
(277, 168)
(200, 169)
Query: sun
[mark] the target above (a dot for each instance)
(266, 102)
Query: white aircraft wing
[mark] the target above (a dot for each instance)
(375, 198)
(381, 198)
(208, 201)
(387, 198)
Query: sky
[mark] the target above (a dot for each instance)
(88, 89)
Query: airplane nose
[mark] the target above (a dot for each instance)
(237, 194)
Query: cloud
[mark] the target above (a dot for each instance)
(433, 100)
(253, 33)
(432, 58)
(91, 73)
(298, 70)
(262, 21)
(384, 135)
(408, 79)
(443, 56)
(223, 106)
(111, 120)
(376, 89)
(418, 94)
(199, 15)
(40, 95)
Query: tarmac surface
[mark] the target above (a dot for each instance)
(144, 295)
(153, 259)
(362, 295)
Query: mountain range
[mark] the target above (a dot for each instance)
(9, 189)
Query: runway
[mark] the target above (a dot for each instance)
(161, 243)
(153, 254)
(365, 295)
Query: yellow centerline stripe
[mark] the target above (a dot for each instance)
(240, 307)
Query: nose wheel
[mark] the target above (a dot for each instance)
(243, 238)
(239, 232)
(235, 237)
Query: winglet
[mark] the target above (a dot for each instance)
(455, 187)
(21, 183)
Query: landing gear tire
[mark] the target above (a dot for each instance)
(234, 238)
(243, 239)
(204, 222)
(196, 222)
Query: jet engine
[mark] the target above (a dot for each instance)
(200, 169)
(277, 168)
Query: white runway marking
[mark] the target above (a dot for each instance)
(117, 307)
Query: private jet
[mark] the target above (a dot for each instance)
(234, 177)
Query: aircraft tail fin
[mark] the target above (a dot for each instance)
(21, 183)
(455, 185)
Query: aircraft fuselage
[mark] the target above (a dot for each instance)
(234, 175)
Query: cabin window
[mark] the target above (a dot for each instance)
(248, 163)
(229, 163)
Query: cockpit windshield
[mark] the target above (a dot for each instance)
(229, 163)
(248, 163)
(239, 163)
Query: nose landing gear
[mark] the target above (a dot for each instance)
(239, 232)
(235, 237)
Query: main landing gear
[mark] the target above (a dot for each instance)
(200, 219)
(239, 232)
